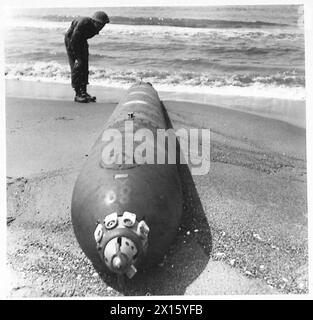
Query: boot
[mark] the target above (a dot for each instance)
(84, 91)
(80, 96)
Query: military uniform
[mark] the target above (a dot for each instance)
(77, 49)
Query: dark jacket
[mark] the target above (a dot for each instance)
(76, 36)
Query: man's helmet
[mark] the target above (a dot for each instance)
(100, 17)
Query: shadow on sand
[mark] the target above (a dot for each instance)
(189, 254)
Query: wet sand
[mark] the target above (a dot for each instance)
(244, 227)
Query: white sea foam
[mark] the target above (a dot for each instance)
(253, 90)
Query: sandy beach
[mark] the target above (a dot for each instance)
(244, 226)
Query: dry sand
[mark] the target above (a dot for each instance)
(244, 227)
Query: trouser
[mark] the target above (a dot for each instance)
(79, 71)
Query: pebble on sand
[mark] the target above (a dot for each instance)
(257, 236)
(232, 261)
(220, 254)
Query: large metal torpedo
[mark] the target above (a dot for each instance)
(126, 213)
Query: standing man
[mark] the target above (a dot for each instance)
(76, 45)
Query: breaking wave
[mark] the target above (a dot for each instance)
(278, 85)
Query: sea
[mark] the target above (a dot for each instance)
(227, 50)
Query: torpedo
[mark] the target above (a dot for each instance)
(126, 212)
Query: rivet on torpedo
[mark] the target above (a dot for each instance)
(110, 197)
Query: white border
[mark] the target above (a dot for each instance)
(142, 3)
(114, 3)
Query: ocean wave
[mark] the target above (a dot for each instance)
(291, 83)
(155, 32)
(208, 32)
(172, 22)
(194, 23)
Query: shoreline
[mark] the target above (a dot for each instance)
(288, 111)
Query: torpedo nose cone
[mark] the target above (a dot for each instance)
(121, 242)
(120, 254)
(119, 262)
